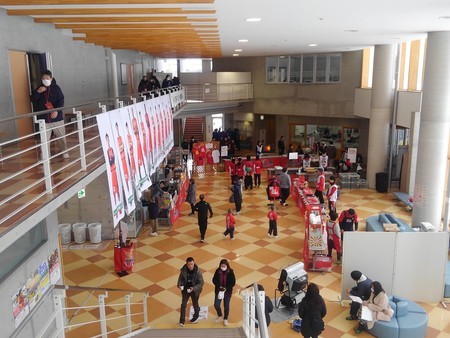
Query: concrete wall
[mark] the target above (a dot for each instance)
(18, 277)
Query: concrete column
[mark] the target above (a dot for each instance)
(434, 132)
(413, 146)
(380, 111)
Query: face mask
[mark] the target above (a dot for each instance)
(223, 268)
(47, 83)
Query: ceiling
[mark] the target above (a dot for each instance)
(208, 28)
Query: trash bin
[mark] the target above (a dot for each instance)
(79, 232)
(95, 232)
(381, 182)
(64, 230)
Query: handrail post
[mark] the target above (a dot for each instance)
(133, 99)
(128, 311)
(144, 305)
(102, 106)
(45, 156)
(59, 319)
(120, 103)
(79, 116)
(101, 303)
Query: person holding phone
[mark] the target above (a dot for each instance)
(49, 96)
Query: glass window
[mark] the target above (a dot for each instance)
(21, 248)
(335, 68)
(296, 67)
(272, 65)
(308, 69)
(283, 64)
(191, 65)
(321, 68)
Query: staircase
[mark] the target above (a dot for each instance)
(197, 333)
(194, 127)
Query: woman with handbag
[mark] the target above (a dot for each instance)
(311, 310)
(224, 280)
(190, 197)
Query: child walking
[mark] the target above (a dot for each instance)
(230, 222)
(334, 236)
(272, 216)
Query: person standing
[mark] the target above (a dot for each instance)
(259, 148)
(361, 290)
(167, 82)
(257, 167)
(190, 282)
(285, 186)
(153, 213)
(230, 222)
(143, 85)
(202, 207)
(248, 170)
(311, 310)
(237, 193)
(323, 160)
(334, 236)
(191, 195)
(191, 144)
(240, 168)
(273, 217)
(49, 96)
(320, 187)
(281, 146)
(348, 221)
(224, 280)
(331, 153)
(268, 306)
(332, 194)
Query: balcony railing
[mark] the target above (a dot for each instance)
(219, 92)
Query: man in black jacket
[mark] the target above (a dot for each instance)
(49, 96)
(361, 290)
(190, 282)
(202, 207)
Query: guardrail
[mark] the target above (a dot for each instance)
(219, 92)
(253, 312)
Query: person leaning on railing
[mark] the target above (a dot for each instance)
(49, 96)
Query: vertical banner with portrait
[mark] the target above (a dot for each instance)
(150, 139)
(140, 164)
(54, 267)
(112, 169)
(168, 111)
(122, 160)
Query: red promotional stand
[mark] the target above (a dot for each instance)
(123, 259)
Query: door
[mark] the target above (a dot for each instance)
(21, 92)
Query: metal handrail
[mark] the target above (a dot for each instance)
(76, 287)
(253, 313)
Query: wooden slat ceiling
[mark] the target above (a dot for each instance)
(163, 28)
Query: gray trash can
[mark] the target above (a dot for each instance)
(65, 232)
(95, 232)
(79, 232)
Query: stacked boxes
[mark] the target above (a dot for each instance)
(352, 181)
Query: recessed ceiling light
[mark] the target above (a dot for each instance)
(243, 40)
(446, 17)
(238, 50)
(351, 31)
(312, 45)
(253, 19)
(235, 54)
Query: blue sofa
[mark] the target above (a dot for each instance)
(375, 223)
(410, 320)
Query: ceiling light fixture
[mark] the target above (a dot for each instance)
(238, 50)
(253, 19)
(313, 45)
(235, 54)
(351, 31)
(446, 17)
(243, 40)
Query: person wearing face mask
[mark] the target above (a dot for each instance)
(224, 280)
(378, 303)
(361, 290)
(49, 96)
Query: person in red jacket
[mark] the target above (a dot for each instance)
(230, 222)
(320, 187)
(272, 216)
(348, 221)
(248, 170)
(332, 194)
(240, 168)
(257, 167)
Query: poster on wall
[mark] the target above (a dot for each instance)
(135, 138)
(37, 284)
(54, 267)
(112, 169)
(123, 159)
(351, 155)
(20, 305)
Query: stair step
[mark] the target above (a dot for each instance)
(197, 333)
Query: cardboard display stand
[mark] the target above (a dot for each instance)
(124, 259)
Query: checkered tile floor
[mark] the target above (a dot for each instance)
(252, 255)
